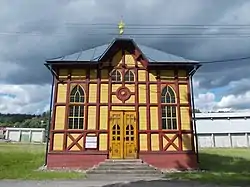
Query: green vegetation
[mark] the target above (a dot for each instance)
(221, 166)
(24, 120)
(19, 161)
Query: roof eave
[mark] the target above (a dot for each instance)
(104, 52)
(60, 62)
(190, 63)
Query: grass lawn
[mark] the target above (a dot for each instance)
(222, 166)
(19, 161)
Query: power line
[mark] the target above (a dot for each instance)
(225, 60)
(146, 35)
(127, 27)
(160, 35)
(162, 25)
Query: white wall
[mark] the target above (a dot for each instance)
(223, 129)
(25, 134)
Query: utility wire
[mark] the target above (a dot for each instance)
(160, 35)
(161, 25)
(144, 35)
(225, 60)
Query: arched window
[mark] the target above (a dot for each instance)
(76, 108)
(129, 76)
(169, 119)
(116, 75)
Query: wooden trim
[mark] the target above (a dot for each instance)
(164, 131)
(106, 131)
(165, 152)
(91, 152)
(138, 55)
(98, 100)
(86, 108)
(137, 105)
(123, 67)
(190, 116)
(115, 93)
(126, 104)
(53, 117)
(123, 94)
(120, 82)
(148, 110)
(75, 141)
(77, 131)
(66, 111)
(178, 108)
(159, 109)
(87, 152)
(109, 108)
(123, 73)
(170, 142)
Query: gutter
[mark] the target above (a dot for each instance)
(193, 111)
(51, 70)
(49, 125)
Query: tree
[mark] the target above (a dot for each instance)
(25, 120)
(197, 110)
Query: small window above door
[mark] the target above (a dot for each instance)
(116, 76)
(129, 76)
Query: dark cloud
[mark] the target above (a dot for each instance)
(239, 87)
(48, 29)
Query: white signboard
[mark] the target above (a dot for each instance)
(91, 142)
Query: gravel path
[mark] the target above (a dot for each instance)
(107, 183)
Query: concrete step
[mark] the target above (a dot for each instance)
(124, 161)
(115, 177)
(129, 168)
(134, 172)
(125, 167)
(121, 164)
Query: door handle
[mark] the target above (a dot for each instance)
(110, 149)
(135, 149)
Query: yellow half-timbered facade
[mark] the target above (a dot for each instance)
(121, 101)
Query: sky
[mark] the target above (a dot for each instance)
(33, 30)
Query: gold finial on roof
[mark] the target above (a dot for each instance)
(121, 26)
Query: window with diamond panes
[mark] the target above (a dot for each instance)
(116, 75)
(169, 116)
(129, 76)
(76, 108)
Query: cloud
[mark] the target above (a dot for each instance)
(43, 35)
(33, 31)
(221, 74)
(235, 102)
(32, 99)
(239, 87)
(205, 102)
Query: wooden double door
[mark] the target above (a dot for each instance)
(123, 135)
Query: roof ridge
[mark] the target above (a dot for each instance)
(96, 53)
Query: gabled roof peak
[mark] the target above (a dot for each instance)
(98, 53)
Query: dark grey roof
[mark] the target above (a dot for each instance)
(94, 54)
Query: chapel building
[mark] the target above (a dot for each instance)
(122, 100)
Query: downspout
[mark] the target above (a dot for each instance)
(193, 113)
(49, 125)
